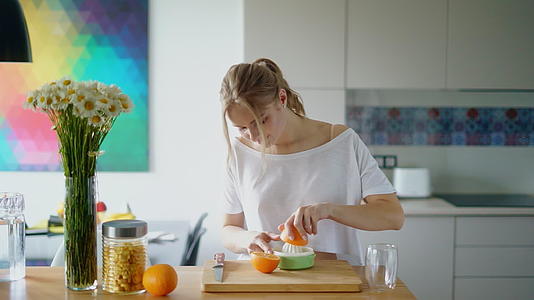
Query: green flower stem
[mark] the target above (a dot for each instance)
(80, 232)
(79, 145)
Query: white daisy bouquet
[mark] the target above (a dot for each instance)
(82, 114)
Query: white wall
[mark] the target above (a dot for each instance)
(191, 45)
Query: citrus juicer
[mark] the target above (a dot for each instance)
(294, 254)
(292, 249)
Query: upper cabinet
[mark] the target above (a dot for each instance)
(396, 44)
(491, 44)
(325, 105)
(305, 37)
(416, 44)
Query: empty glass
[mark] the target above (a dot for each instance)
(381, 266)
(12, 237)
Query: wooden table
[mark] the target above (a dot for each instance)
(43, 283)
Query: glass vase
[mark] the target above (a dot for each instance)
(80, 233)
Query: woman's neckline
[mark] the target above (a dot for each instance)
(294, 154)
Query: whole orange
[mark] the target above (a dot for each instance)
(264, 262)
(297, 241)
(160, 279)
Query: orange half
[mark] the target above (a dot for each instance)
(264, 262)
(297, 241)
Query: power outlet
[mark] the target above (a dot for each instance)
(386, 161)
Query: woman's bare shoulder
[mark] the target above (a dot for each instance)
(339, 129)
(326, 127)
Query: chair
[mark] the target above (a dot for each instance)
(189, 257)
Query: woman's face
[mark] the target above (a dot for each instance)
(272, 119)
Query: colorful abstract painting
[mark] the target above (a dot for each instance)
(87, 40)
(457, 126)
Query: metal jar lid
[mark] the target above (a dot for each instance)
(124, 229)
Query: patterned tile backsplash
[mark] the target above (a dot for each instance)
(443, 126)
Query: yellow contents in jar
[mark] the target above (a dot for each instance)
(123, 267)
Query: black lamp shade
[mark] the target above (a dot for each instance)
(14, 38)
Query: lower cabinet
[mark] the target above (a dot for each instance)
(494, 262)
(426, 248)
(494, 258)
(464, 257)
(494, 288)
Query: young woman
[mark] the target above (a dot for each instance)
(288, 170)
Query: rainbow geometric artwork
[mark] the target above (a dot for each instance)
(86, 40)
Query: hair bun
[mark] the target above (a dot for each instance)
(269, 64)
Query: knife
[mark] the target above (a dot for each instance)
(219, 266)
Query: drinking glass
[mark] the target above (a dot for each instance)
(12, 237)
(381, 266)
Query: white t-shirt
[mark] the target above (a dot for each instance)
(341, 171)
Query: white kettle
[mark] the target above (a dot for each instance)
(412, 182)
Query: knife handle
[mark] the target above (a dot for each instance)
(219, 258)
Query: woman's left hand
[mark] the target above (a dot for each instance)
(305, 218)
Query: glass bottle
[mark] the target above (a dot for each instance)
(12, 237)
(124, 256)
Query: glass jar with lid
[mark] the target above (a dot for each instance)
(124, 256)
(12, 237)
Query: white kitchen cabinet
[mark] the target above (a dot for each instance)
(494, 288)
(396, 44)
(491, 44)
(324, 105)
(495, 231)
(494, 258)
(305, 37)
(426, 247)
(494, 261)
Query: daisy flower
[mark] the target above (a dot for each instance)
(31, 100)
(46, 98)
(62, 99)
(86, 107)
(103, 101)
(51, 84)
(65, 83)
(113, 109)
(91, 85)
(80, 95)
(126, 103)
(96, 120)
(113, 91)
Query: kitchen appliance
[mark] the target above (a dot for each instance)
(488, 200)
(241, 276)
(412, 182)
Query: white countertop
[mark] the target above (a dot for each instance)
(440, 207)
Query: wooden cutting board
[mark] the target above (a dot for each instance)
(324, 276)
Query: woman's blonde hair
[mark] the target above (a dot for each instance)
(255, 86)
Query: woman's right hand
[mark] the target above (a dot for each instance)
(260, 241)
(239, 240)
